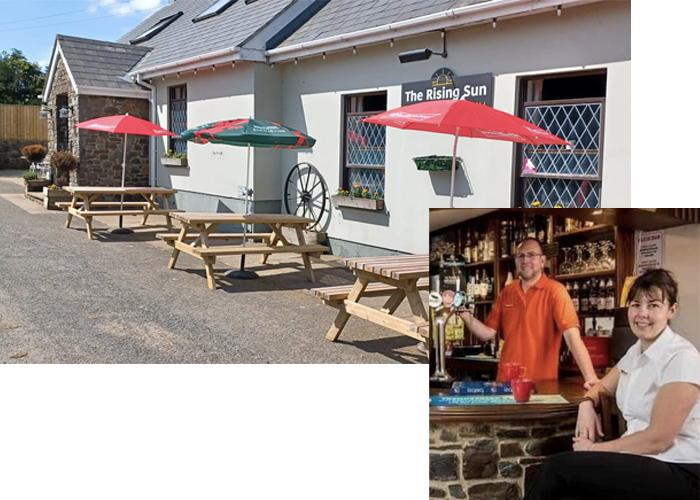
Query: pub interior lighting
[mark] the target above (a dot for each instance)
(423, 54)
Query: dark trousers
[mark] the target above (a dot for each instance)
(585, 475)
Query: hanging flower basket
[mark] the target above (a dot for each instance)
(435, 163)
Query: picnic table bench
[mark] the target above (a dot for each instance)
(206, 223)
(401, 277)
(85, 202)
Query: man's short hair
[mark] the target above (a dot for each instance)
(530, 238)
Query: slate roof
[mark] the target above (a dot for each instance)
(100, 64)
(347, 16)
(184, 39)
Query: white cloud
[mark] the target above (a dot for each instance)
(124, 8)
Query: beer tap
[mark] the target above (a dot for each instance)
(442, 316)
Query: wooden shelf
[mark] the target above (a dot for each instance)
(483, 302)
(594, 274)
(477, 264)
(598, 228)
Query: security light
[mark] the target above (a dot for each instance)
(423, 54)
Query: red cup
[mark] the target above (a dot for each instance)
(513, 370)
(522, 389)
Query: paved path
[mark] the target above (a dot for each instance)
(65, 299)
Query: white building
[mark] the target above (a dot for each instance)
(320, 66)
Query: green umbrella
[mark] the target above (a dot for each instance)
(248, 132)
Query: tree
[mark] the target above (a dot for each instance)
(21, 81)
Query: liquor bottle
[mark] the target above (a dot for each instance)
(492, 246)
(583, 297)
(489, 294)
(569, 290)
(468, 248)
(512, 235)
(484, 285)
(603, 297)
(541, 226)
(610, 300)
(576, 297)
(593, 296)
(471, 289)
(505, 242)
(477, 248)
(531, 229)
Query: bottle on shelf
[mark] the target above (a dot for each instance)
(491, 246)
(610, 299)
(603, 296)
(584, 298)
(576, 296)
(468, 248)
(593, 296)
(505, 241)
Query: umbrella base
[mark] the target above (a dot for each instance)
(121, 230)
(241, 274)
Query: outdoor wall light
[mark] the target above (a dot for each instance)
(213, 68)
(296, 61)
(178, 74)
(494, 22)
(63, 112)
(233, 64)
(324, 56)
(45, 112)
(423, 54)
(195, 71)
(559, 10)
(354, 50)
(163, 78)
(391, 43)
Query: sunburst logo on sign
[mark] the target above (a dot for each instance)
(442, 77)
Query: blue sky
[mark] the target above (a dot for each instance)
(31, 26)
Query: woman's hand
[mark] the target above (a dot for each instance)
(583, 444)
(588, 423)
(591, 382)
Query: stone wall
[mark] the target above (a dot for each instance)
(11, 152)
(492, 461)
(100, 153)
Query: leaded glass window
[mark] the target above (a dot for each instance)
(178, 117)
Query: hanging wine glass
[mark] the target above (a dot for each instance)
(591, 263)
(565, 267)
(578, 266)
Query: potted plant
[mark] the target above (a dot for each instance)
(65, 164)
(34, 154)
(435, 163)
(174, 159)
(54, 194)
(357, 197)
(32, 183)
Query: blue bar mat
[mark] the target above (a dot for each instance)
(494, 400)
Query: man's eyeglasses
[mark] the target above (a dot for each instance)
(528, 256)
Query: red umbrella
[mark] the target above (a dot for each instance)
(123, 124)
(464, 118)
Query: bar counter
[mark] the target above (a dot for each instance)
(492, 452)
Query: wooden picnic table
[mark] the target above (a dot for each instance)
(401, 277)
(206, 223)
(85, 205)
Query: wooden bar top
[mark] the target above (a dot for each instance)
(570, 389)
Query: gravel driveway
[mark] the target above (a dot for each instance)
(65, 299)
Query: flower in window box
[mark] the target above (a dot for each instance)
(170, 154)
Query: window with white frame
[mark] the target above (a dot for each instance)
(177, 101)
(570, 106)
(364, 143)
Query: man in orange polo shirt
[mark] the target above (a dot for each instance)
(534, 313)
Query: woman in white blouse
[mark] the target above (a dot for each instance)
(657, 388)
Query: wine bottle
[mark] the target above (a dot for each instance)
(576, 298)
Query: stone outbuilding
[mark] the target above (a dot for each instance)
(86, 80)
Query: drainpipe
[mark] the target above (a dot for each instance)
(153, 165)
